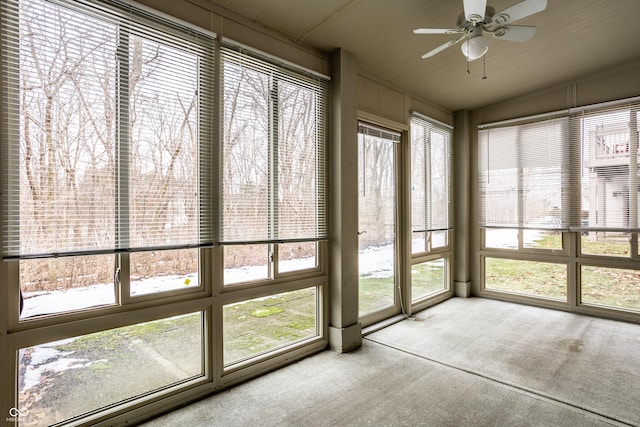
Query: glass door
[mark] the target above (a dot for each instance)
(377, 221)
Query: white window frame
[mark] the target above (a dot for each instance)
(431, 253)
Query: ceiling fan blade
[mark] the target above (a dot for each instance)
(515, 33)
(443, 47)
(474, 10)
(519, 11)
(436, 31)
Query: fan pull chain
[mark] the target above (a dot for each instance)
(484, 67)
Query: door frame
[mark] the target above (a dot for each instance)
(402, 251)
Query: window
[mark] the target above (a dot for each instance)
(68, 378)
(542, 279)
(431, 211)
(430, 185)
(523, 184)
(428, 278)
(524, 203)
(569, 177)
(106, 190)
(273, 169)
(530, 175)
(613, 287)
(609, 182)
(108, 150)
(265, 324)
(118, 180)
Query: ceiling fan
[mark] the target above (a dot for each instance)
(479, 21)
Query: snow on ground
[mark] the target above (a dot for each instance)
(376, 261)
(36, 303)
(46, 357)
(373, 262)
(507, 238)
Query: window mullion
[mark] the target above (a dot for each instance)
(520, 193)
(428, 189)
(273, 158)
(634, 184)
(273, 224)
(633, 168)
(122, 161)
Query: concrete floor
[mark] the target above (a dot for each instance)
(465, 362)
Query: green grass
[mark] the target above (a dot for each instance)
(260, 325)
(599, 285)
(605, 247)
(379, 292)
(375, 293)
(589, 246)
(613, 287)
(112, 339)
(113, 365)
(250, 328)
(427, 278)
(527, 277)
(266, 311)
(548, 241)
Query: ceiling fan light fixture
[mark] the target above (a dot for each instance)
(478, 18)
(476, 46)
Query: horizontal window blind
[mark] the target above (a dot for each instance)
(606, 142)
(378, 132)
(274, 152)
(577, 173)
(430, 176)
(523, 175)
(107, 120)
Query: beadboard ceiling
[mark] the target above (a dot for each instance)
(575, 38)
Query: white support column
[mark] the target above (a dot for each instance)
(462, 206)
(345, 332)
